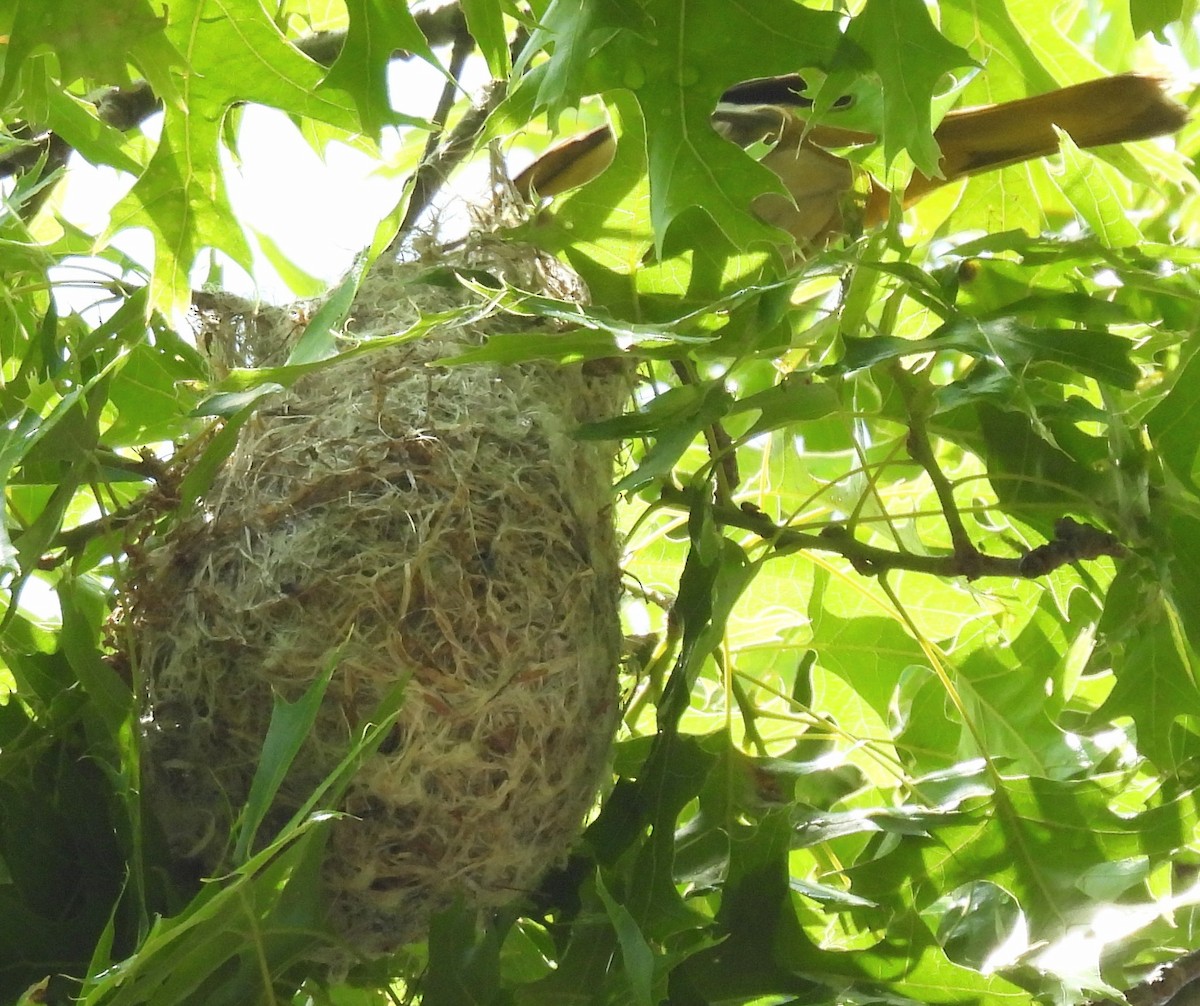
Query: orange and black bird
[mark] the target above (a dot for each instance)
(772, 109)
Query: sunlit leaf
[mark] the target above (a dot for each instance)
(96, 43)
(486, 24)
(181, 197)
(1154, 15)
(1156, 686)
(911, 57)
(838, 776)
(377, 29)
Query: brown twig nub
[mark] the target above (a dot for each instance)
(1072, 542)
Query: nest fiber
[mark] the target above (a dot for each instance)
(435, 523)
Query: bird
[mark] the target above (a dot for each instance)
(1095, 113)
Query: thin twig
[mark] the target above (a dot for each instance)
(720, 446)
(458, 145)
(1073, 542)
(429, 175)
(920, 448)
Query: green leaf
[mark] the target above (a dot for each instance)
(153, 393)
(243, 386)
(1033, 837)
(56, 894)
(1152, 16)
(685, 74)
(868, 653)
(913, 962)
(378, 28)
(677, 416)
(230, 942)
(291, 723)
(795, 399)
(243, 933)
(603, 229)
(1174, 424)
(912, 59)
(80, 640)
(761, 950)
(1181, 545)
(301, 283)
(1155, 686)
(715, 575)
(94, 42)
(678, 66)
(229, 404)
(1012, 344)
(201, 474)
(522, 347)
(1098, 194)
(317, 342)
(578, 37)
(637, 959)
(591, 332)
(181, 197)
(464, 964)
(485, 22)
(92, 138)
(1028, 470)
(988, 29)
(584, 971)
(1009, 715)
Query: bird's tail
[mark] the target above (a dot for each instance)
(1098, 112)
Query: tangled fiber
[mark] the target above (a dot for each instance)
(433, 522)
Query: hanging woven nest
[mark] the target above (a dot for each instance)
(433, 523)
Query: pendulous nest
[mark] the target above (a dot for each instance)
(435, 523)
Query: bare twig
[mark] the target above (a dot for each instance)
(163, 495)
(720, 447)
(457, 146)
(435, 169)
(920, 448)
(1173, 984)
(430, 173)
(1073, 542)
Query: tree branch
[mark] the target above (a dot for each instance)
(430, 173)
(1170, 985)
(720, 446)
(1073, 542)
(920, 449)
(436, 166)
